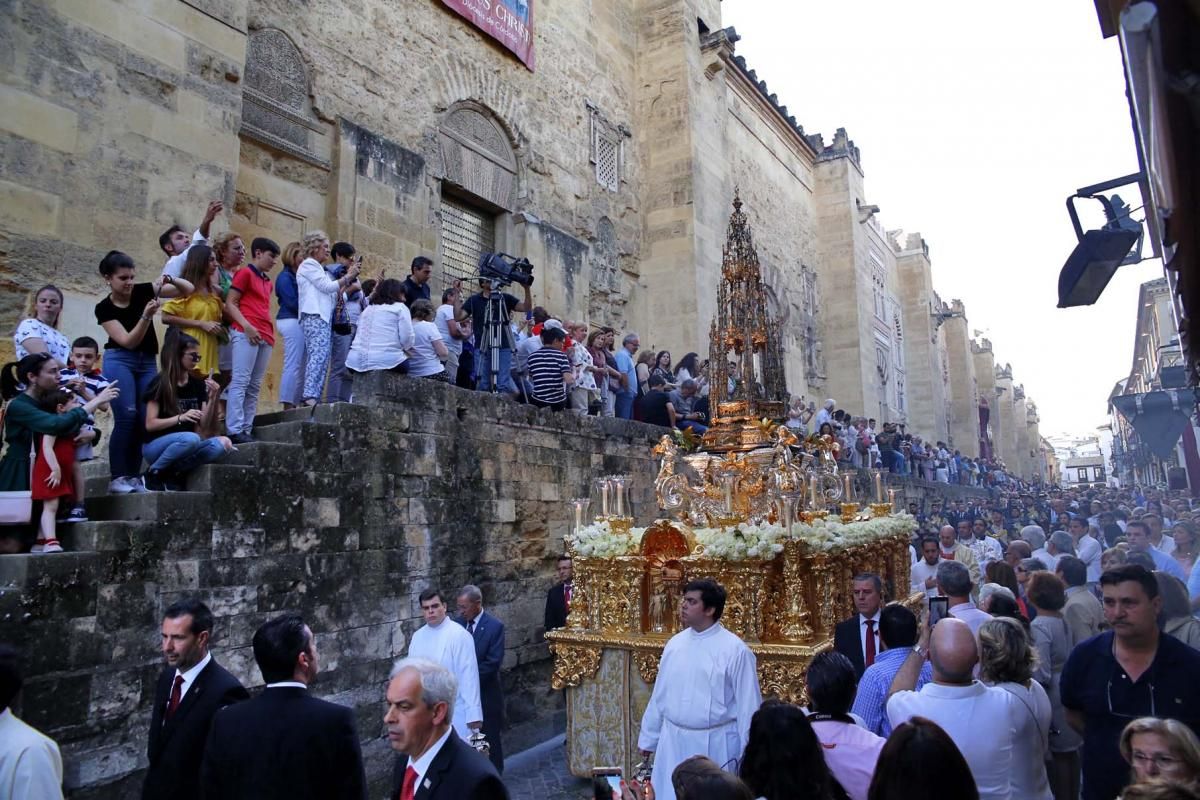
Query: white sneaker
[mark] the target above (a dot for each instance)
(119, 486)
(137, 485)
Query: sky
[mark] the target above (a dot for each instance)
(975, 122)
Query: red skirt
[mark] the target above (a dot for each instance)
(64, 448)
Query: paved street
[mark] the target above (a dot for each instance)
(540, 773)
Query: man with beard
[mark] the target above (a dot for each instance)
(191, 689)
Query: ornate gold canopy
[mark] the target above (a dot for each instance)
(745, 349)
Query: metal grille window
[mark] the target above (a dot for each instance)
(467, 233)
(608, 161)
(607, 149)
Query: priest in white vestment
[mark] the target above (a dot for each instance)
(705, 694)
(445, 642)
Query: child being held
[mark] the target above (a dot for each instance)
(85, 380)
(52, 473)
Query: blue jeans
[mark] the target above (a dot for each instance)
(133, 373)
(899, 465)
(338, 389)
(695, 427)
(181, 452)
(483, 372)
(625, 404)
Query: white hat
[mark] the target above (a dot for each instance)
(553, 323)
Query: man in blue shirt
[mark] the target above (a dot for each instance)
(1137, 533)
(1129, 672)
(897, 636)
(629, 381)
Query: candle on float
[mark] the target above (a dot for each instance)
(578, 516)
(878, 486)
(620, 483)
(892, 498)
(728, 494)
(846, 498)
(812, 489)
(604, 498)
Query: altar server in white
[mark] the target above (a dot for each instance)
(705, 694)
(445, 642)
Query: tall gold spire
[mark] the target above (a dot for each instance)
(745, 350)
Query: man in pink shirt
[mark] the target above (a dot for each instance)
(850, 750)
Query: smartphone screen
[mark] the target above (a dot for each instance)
(939, 608)
(611, 776)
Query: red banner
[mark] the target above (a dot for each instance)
(509, 22)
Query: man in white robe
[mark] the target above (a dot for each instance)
(445, 642)
(706, 692)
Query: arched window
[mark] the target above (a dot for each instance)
(275, 101)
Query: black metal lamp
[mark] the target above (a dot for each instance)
(1099, 253)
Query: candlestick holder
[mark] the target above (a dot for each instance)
(880, 509)
(849, 512)
(620, 524)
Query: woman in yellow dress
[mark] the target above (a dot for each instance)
(201, 313)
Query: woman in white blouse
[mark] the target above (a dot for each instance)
(428, 351)
(38, 331)
(318, 295)
(385, 332)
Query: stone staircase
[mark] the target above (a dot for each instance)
(136, 553)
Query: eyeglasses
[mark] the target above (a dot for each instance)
(1163, 761)
(1108, 695)
(192, 356)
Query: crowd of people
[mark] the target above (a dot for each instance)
(892, 448)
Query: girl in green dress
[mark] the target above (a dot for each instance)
(23, 418)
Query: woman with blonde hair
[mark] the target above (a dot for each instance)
(200, 314)
(287, 322)
(1161, 750)
(318, 294)
(1007, 660)
(38, 330)
(231, 256)
(1186, 546)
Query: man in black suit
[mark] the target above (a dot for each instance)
(435, 763)
(488, 633)
(191, 689)
(284, 744)
(857, 638)
(558, 599)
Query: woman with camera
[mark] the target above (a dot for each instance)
(318, 296)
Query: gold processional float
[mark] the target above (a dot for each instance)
(749, 505)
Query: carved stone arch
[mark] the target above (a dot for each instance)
(477, 154)
(276, 105)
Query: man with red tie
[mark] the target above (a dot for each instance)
(190, 690)
(434, 763)
(857, 638)
(558, 600)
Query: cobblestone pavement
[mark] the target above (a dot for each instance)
(540, 773)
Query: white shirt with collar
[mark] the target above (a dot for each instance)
(287, 685)
(862, 633)
(189, 678)
(963, 712)
(421, 765)
(174, 265)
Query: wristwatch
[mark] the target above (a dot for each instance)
(917, 649)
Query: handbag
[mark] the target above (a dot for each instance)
(341, 328)
(16, 508)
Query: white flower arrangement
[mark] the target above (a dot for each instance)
(742, 542)
(748, 541)
(599, 540)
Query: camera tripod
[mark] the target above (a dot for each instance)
(496, 332)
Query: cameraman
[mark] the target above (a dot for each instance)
(475, 309)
